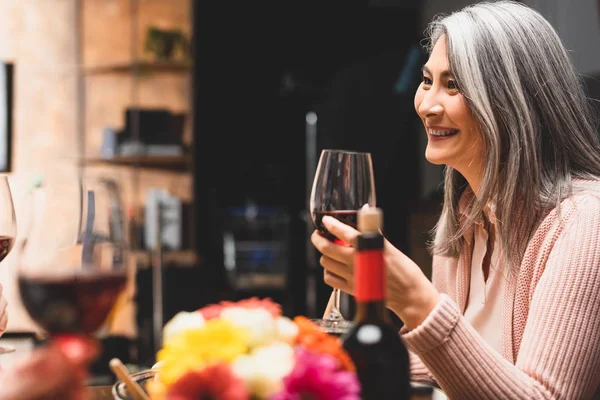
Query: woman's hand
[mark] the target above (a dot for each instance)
(409, 293)
(3, 312)
(47, 373)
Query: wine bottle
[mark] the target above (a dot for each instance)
(374, 344)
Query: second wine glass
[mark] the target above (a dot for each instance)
(343, 184)
(72, 265)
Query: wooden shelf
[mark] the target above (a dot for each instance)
(183, 258)
(173, 163)
(141, 67)
(260, 281)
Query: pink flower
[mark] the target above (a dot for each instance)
(213, 382)
(319, 377)
(211, 311)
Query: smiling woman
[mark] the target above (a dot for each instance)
(511, 311)
(454, 138)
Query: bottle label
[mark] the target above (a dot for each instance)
(369, 275)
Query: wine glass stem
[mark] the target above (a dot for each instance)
(335, 314)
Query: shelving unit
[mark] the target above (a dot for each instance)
(137, 83)
(171, 163)
(141, 68)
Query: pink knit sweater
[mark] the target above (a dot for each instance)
(550, 318)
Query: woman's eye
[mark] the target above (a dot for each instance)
(452, 85)
(426, 80)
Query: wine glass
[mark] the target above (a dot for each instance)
(72, 266)
(343, 184)
(8, 229)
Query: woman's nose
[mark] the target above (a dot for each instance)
(431, 105)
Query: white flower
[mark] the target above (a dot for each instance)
(181, 321)
(263, 370)
(287, 330)
(259, 322)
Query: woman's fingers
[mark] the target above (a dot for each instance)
(342, 270)
(343, 254)
(337, 274)
(337, 259)
(337, 282)
(340, 230)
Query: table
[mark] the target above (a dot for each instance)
(104, 393)
(101, 392)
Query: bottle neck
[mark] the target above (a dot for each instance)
(369, 277)
(371, 311)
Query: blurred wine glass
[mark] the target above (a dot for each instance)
(72, 265)
(8, 229)
(8, 221)
(343, 184)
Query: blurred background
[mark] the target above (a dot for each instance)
(211, 118)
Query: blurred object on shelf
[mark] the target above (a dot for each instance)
(167, 44)
(132, 148)
(147, 132)
(153, 126)
(256, 247)
(110, 140)
(160, 200)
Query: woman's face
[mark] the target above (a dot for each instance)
(453, 134)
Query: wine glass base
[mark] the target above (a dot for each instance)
(7, 349)
(333, 326)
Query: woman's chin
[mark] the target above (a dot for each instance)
(435, 159)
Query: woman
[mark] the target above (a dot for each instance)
(513, 309)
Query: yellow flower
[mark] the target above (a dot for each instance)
(193, 349)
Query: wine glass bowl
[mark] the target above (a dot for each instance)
(343, 184)
(8, 230)
(72, 265)
(8, 221)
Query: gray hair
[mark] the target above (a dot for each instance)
(536, 122)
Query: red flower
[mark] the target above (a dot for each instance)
(214, 310)
(314, 339)
(215, 382)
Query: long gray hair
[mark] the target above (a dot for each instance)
(536, 122)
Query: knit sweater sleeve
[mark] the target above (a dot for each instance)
(559, 356)
(419, 372)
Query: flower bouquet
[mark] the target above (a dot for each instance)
(247, 350)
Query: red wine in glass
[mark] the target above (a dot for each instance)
(76, 304)
(343, 184)
(348, 217)
(6, 244)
